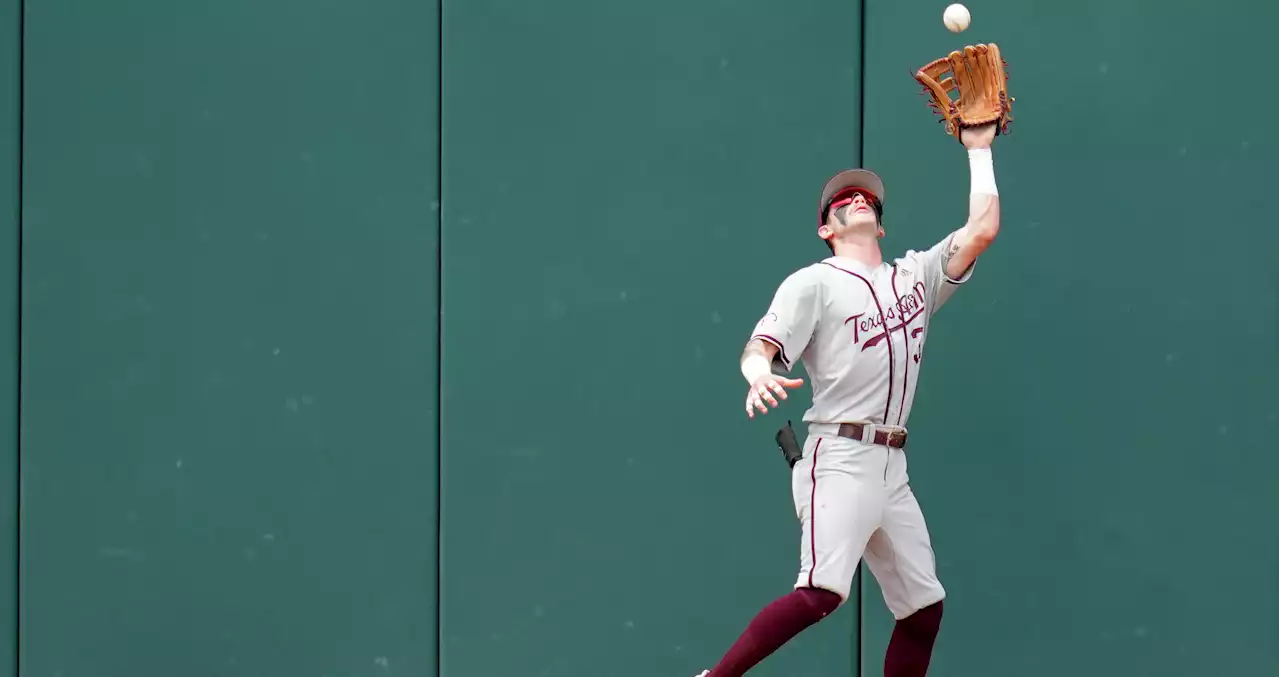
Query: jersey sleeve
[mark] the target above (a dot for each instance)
(933, 271)
(792, 317)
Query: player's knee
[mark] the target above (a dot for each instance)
(933, 614)
(822, 602)
(925, 622)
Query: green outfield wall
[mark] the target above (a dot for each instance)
(228, 331)
(392, 339)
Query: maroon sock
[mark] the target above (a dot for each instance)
(783, 619)
(911, 645)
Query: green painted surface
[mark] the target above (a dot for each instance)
(10, 116)
(229, 323)
(625, 185)
(229, 368)
(1093, 440)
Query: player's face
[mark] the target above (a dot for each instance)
(861, 213)
(854, 211)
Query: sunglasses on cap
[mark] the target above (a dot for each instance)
(845, 196)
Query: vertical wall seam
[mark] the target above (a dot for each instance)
(439, 638)
(860, 616)
(862, 78)
(17, 479)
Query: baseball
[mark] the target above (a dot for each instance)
(956, 17)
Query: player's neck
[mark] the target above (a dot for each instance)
(864, 250)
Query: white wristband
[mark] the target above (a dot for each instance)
(755, 366)
(982, 173)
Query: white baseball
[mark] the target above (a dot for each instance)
(956, 17)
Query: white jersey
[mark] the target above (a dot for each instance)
(860, 332)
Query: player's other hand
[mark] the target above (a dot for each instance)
(981, 136)
(762, 393)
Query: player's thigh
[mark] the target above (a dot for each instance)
(838, 474)
(838, 509)
(900, 556)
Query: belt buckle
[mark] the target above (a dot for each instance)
(896, 438)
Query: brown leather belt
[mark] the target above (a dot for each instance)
(896, 439)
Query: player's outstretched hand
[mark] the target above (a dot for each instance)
(764, 389)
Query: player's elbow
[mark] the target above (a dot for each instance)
(984, 219)
(984, 233)
(766, 348)
(984, 229)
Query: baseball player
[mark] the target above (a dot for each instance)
(859, 324)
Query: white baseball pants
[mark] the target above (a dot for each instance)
(853, 500)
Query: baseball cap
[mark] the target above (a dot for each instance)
(850, 178)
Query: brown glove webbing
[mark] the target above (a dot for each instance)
(978, 76)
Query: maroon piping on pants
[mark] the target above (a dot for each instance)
(813, 512)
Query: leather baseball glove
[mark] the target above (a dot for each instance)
(977, 75)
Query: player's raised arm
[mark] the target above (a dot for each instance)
(980, 230)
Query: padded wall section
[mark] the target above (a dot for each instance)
(1094, 439)
(10, 243)
(625, 186)
(229, 402)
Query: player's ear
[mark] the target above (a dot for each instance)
(824, 231)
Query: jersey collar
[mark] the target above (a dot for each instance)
(853, 266)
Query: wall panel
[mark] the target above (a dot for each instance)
(10, 243)
(625, 186)
(229, 318)
(1094, 436)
